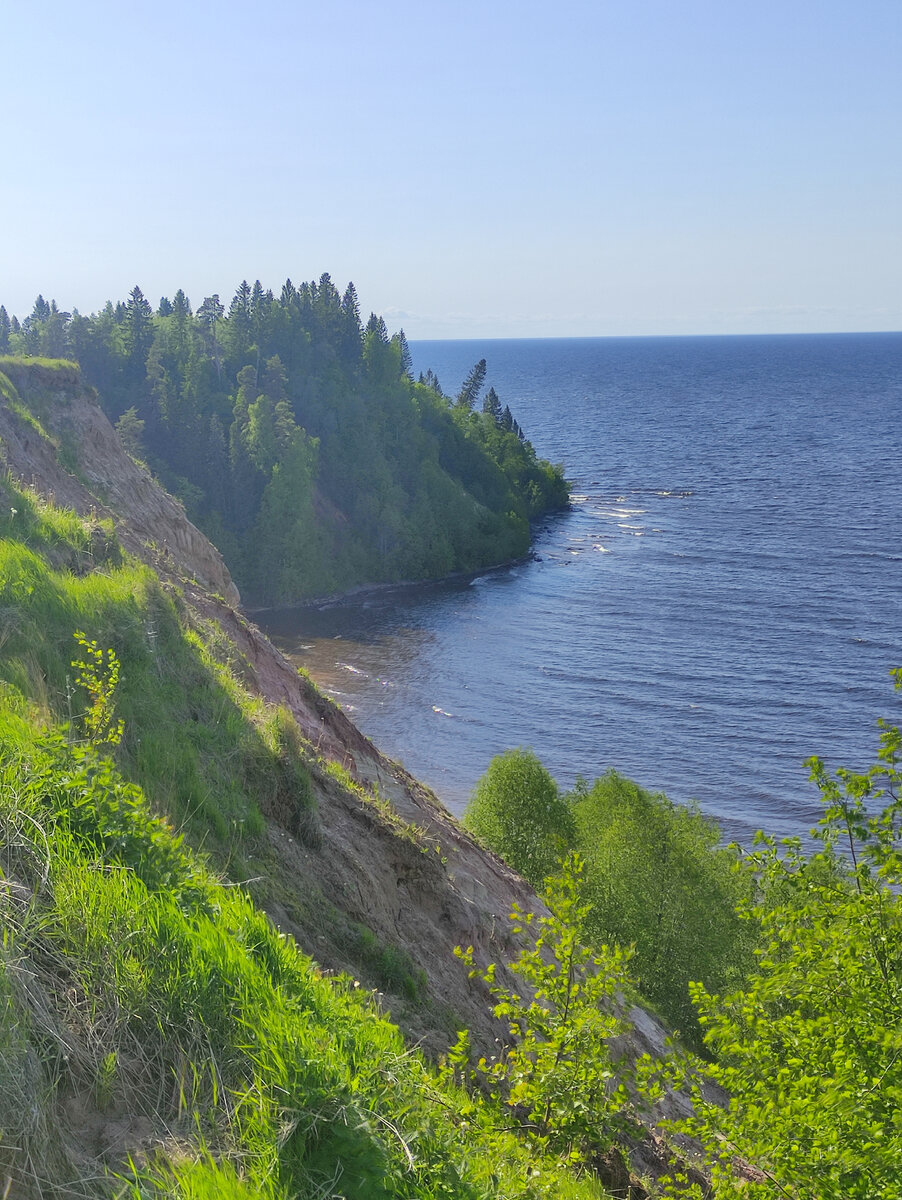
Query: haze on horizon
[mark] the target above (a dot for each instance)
(500, 170)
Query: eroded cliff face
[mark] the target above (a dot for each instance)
(104, 481)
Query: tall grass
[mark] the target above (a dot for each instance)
(132, 976)
(209, 755)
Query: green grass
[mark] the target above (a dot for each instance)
(11, 400)
(42, 372)
(210, 756)
(59, 534)
(131, 976)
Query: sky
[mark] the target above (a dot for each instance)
(491, 169)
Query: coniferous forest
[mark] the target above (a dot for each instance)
(298, 439)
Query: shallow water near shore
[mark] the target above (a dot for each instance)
(722, 600)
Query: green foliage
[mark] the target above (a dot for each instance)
(130, 427)
(66, 540)
(560, 1077)
(810, 1050)
(298, 440)
(656, 877)
(188, 723)
(516, 810)
(659, 880)
(97, 672)
(129, 975)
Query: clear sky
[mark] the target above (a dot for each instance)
(490, 169)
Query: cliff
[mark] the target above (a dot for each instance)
(401, 867)
(66, 425)
(384, 884)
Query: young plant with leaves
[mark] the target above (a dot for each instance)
(810, 1051)
(561, 1079)
(98, 675)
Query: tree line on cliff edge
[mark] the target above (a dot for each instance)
(299, 439)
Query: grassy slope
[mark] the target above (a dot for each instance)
(147, 1009)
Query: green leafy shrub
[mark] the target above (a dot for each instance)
(517, 811)
(97, 672)
(810, 1050)
(560, 1077)
(657, 878)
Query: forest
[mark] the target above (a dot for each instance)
(298, 439)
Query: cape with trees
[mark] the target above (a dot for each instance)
(298, 438)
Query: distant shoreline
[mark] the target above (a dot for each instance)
(335, 599)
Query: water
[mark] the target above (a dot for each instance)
(723, 600)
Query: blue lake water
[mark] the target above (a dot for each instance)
(723, 600)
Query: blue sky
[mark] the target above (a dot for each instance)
(478, 169)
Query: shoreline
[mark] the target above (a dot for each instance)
(335, 599)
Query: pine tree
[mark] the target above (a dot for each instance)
(208, 314)
(239, 323)
(261, 309)
(181, 313)
(376, 325)
(181, 305)
(54, 340)
(351, 336)
(41, 310)
(430, 379)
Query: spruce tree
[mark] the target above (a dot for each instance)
(406, 360)
(472, 385)
(492, 405)
(138, 331)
